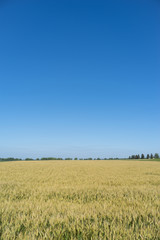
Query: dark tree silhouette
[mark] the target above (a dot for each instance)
(156, 155)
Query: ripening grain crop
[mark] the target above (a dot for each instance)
(80, 200)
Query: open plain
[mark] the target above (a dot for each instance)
(80, 200)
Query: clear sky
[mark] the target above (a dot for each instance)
(79, 78)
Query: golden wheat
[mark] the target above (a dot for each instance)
(80, 200)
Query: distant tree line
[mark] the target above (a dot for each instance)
(10, 159)
(54, 158)
(148, 156)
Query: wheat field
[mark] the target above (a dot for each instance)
(80, 200)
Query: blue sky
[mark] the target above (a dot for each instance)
(79, 78)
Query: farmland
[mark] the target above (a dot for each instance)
(80, 200)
